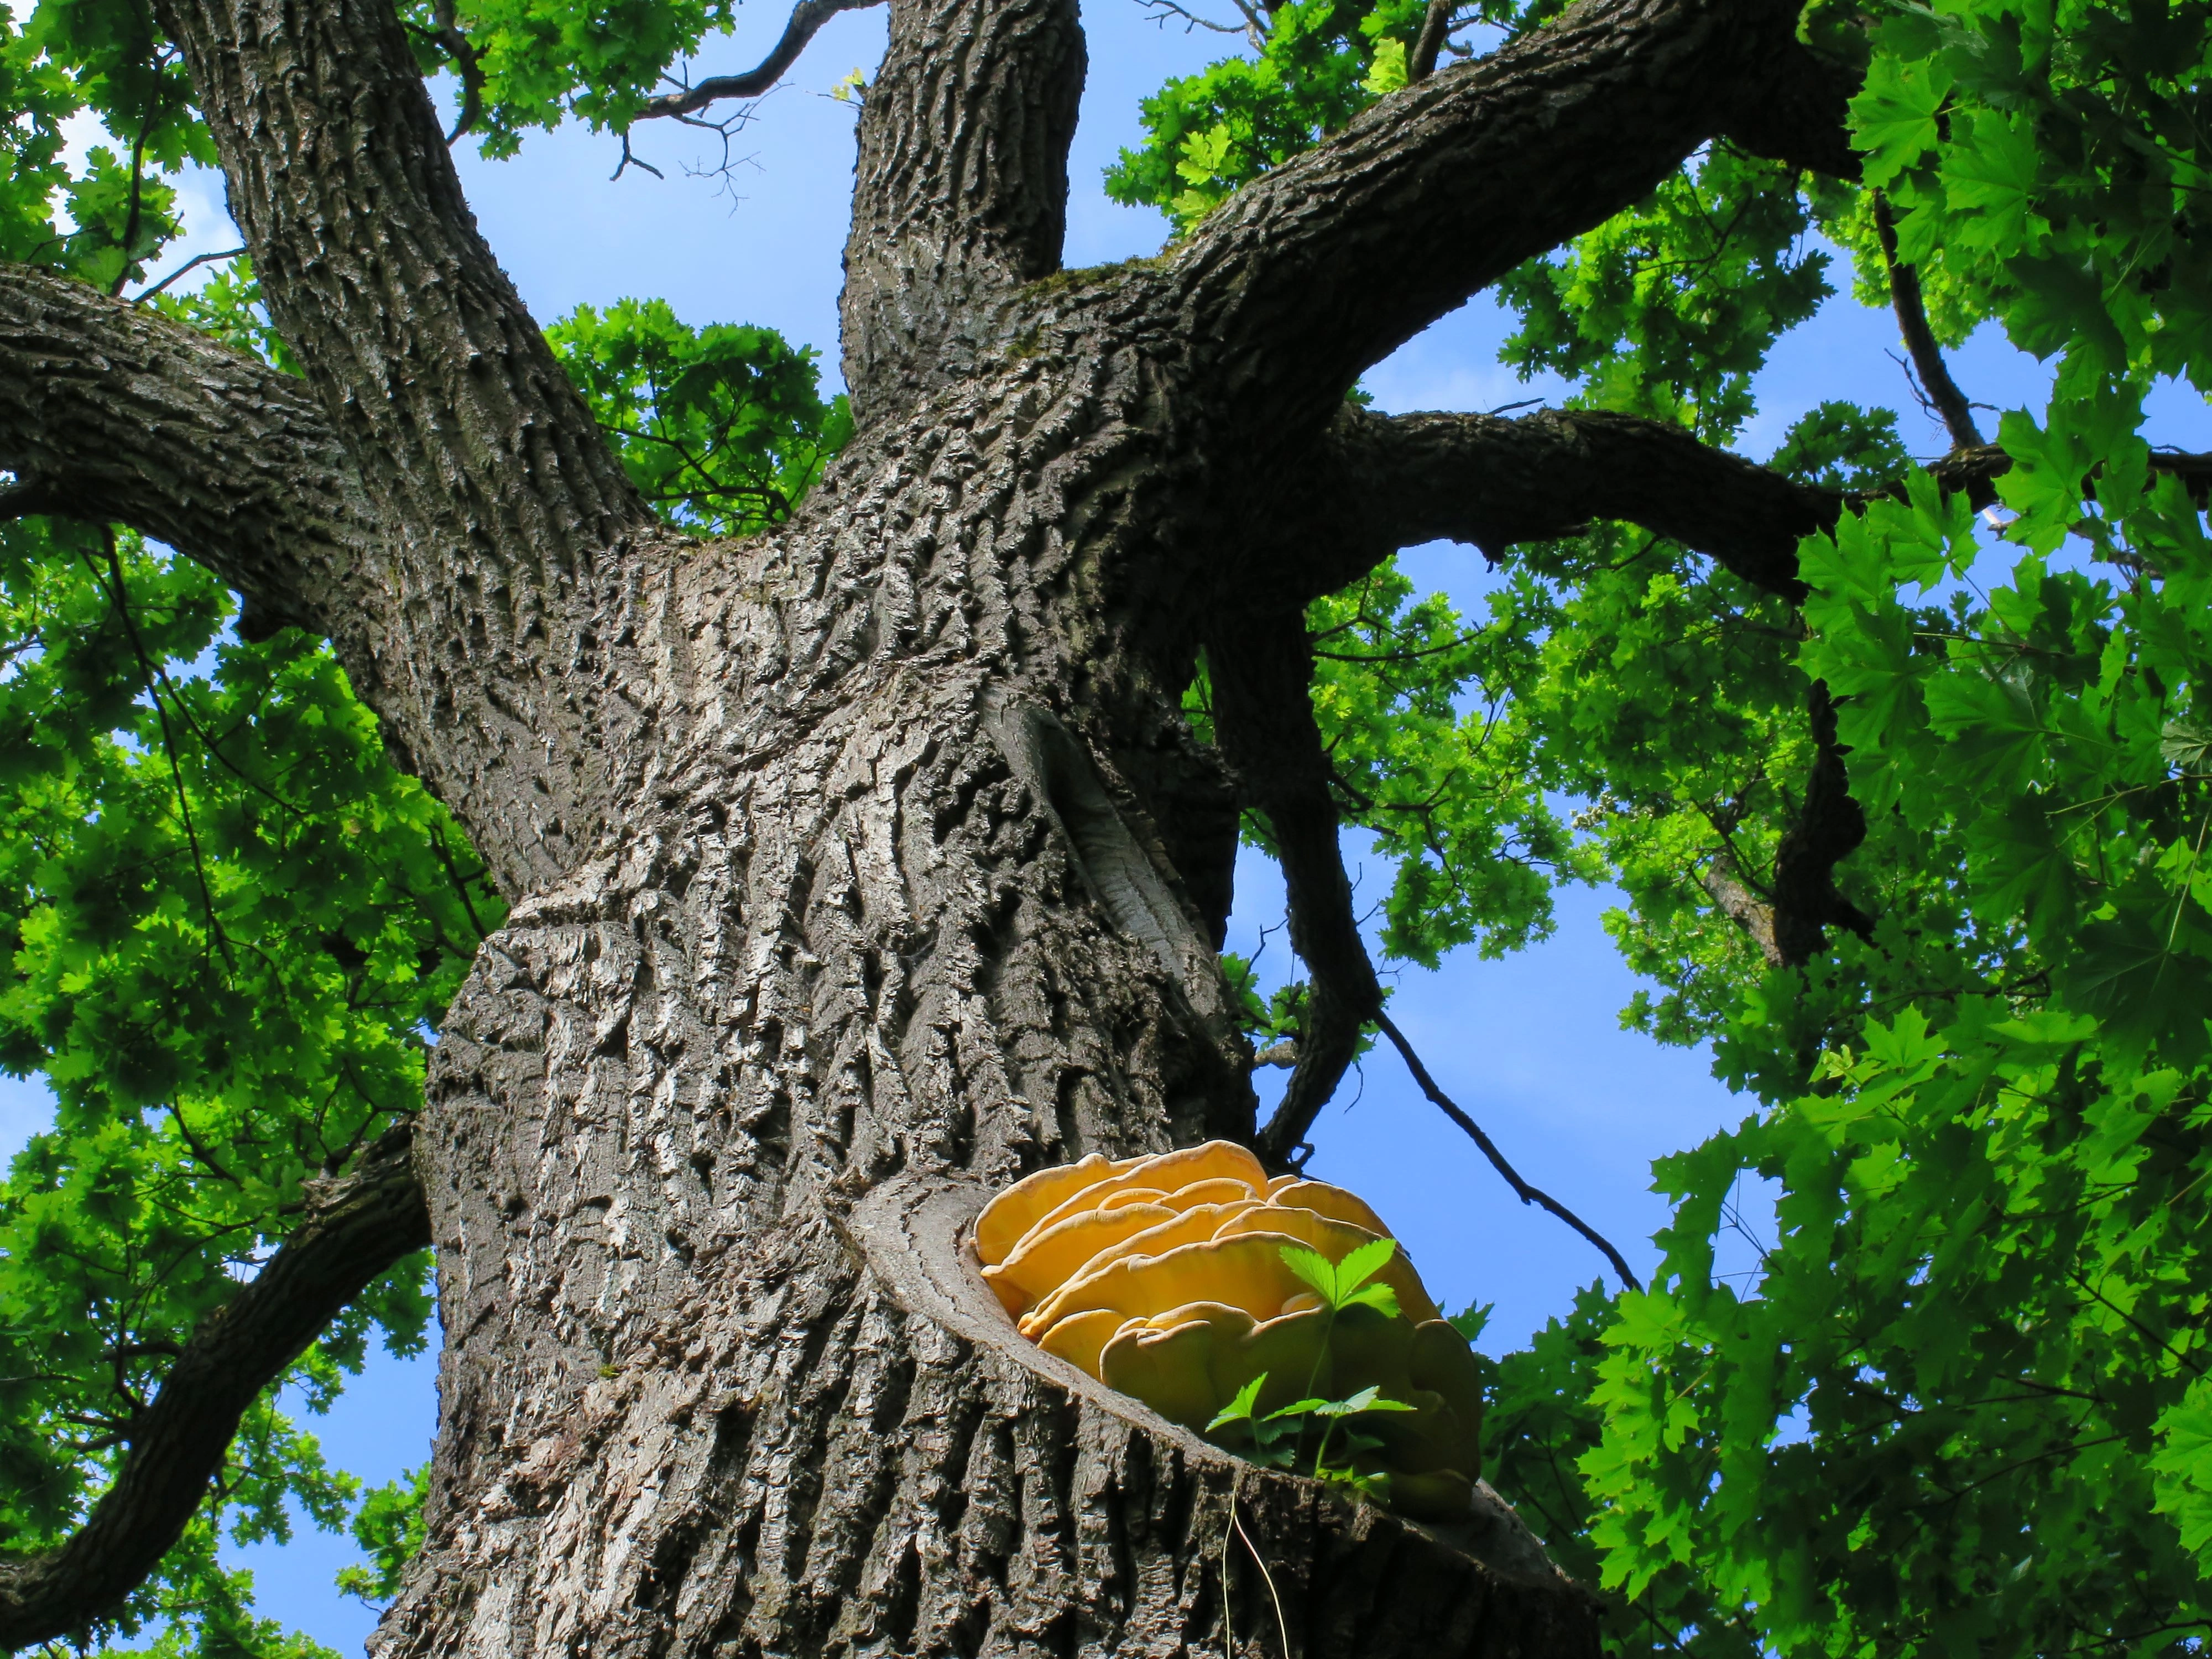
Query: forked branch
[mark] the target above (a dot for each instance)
(1396, 481)
(1401, 480)
(806, 20)
(356, 1229)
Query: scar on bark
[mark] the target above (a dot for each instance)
(1120, 875)
(356, 1227)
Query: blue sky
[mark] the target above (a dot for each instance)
(1531, 1046)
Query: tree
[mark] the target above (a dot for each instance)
(864, 851)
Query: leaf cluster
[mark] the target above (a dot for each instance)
(1299, 1435)
(229, 921)
(722, 429)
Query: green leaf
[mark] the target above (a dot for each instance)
(1893, 116)
(1380, 1297)
(1362, 1263)
(1239, 1410)
(1315, 1268)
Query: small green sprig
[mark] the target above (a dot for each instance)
(1279, 1438)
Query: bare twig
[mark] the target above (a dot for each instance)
(196, 260)
(1162, 10)
(628, 160)
(806, 20)
(118, 596)
(1528, 1195)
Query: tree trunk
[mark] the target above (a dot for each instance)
(881, 931)
(863, 867)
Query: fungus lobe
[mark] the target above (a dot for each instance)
(1165, 1278)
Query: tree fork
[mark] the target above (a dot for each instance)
(800, 921)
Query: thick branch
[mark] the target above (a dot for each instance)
(1396, 481)
(114, 413)
(1328, 263)
(464, 429)
(1262, 666)
(1435, 29)
(1975, 472)
(1790, 923)
(1479, 478)
(1732, 895)
(961, 191)
(806, 20)
(354, 1230)
(1830, 827)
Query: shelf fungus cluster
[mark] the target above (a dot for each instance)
(1165, 1278)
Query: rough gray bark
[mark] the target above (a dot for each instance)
(864, 865)
(110, 412)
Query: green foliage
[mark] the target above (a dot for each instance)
(230, 925)
(1961, 1405)
(1349, 1283)
(388, 1526)
(1278, 1439)
(1438, 773)
(106, 59)
(222, 1623)
(2048, 168)
(543, 62)
(722, 429)
(229, 920)
(1541, 1424)
(1269, 1020)
(2005, 1210)
(1319, 63)
(1299, 1435)
(1668, 310)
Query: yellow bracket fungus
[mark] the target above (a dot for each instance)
(1164, 1278)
